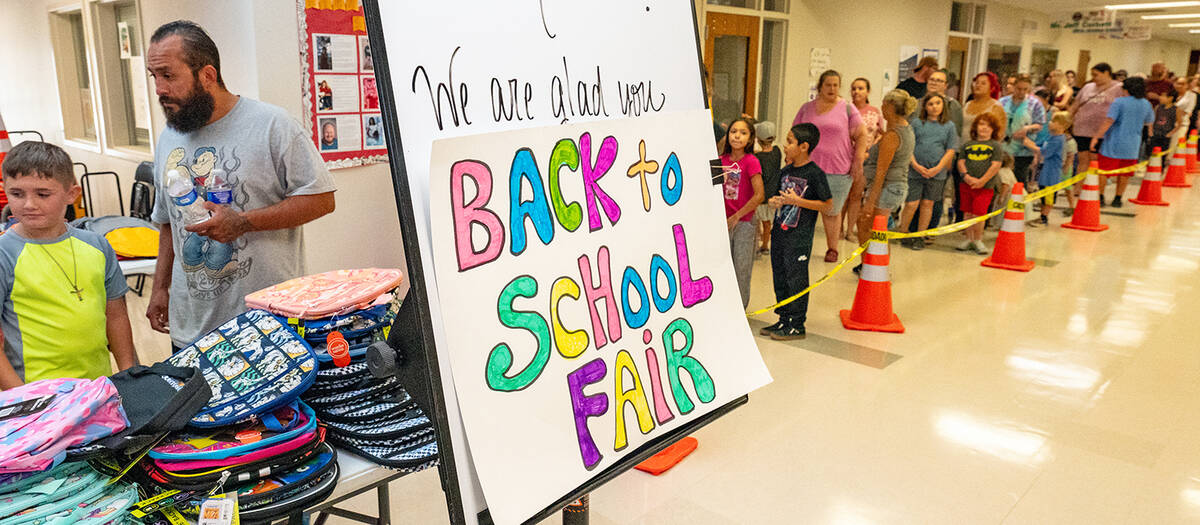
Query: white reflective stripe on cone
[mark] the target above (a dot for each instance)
(1177, 161)
(1154, 175)
(1012, 226)
(1092, 180)
(873, 273)
(1089, 195)
(877, 248)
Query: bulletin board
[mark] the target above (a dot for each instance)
(340, 97)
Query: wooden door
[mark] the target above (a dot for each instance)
(1193, 62)
(957, 52)
(731, 56)
(1082, 73)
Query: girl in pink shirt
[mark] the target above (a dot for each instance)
(743, 188)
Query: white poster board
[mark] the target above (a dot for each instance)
(484, 66)
(587, 270)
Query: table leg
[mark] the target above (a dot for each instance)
(385, 504)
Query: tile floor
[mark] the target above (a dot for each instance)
(1070, 394)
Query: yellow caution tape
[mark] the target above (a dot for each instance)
(815, 284)
(1135, 167)
(948, 229)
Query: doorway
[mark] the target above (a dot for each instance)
(731, 55)
(1082, 73)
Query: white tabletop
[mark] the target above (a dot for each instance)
(138, 266)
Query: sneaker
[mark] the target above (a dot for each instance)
(789, 333)
(1103, 204)
(1068, 212)
(1044, 220)
(918, 244)
(1033, 223)
(857, 269)
(1116, 203)
(979, 247)
(964, 246)
(769, 330)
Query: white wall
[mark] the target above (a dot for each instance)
(260, 58)
(865, 39)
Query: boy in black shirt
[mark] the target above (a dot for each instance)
(792, 232)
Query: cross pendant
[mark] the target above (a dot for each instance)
(78, 293)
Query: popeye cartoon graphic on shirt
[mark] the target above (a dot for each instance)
(211, 267)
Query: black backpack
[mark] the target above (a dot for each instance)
(157, 399)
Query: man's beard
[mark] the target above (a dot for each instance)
(194, 111)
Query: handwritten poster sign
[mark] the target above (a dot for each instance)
(586, 269)
(486, 66)
(341, 100)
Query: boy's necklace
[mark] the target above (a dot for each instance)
(74, 279)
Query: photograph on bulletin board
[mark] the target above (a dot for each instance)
(341, 99)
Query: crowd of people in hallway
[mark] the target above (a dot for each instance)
(926, 155)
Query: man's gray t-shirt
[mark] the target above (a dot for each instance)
(267, 157)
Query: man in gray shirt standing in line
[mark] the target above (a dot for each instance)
(277, 178)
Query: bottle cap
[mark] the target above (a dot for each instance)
(338, 348)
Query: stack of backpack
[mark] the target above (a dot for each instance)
(71, 493)
(39, 423)
(340, 314)
(254, 436)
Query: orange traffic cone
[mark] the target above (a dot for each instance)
(1176, 178)
(1087, 212)
(872, 308)
(5, 145)
(1190, 160)
(1151, 192)
(1009, 253)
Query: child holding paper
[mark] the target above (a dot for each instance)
(804, 191)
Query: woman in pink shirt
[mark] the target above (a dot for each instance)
(841, 151)
(1091, 108)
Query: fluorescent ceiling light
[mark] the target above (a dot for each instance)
(1152, 5)
(1189, 24)
(1194, 31)
(1170, 17)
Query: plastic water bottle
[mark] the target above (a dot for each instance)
(183, 194)
(219, 191)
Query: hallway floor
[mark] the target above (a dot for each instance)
(1066, 395)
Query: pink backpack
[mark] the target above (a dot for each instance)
(326, 294)
(40, 420)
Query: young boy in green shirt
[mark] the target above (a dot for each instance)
(63, 292)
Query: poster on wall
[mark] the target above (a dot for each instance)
(819, 60)
(593, 262)
(340, 98)
(513, 91)
(908, 62)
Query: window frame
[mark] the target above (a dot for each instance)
(110, 112)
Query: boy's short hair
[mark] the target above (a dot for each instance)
(42, 159)
(1063, 118)
(807, 133)
(1172, 93)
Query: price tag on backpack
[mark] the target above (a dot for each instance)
(221, 509)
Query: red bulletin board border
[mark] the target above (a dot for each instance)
(338, 17)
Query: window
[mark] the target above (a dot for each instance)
(1003, 60)
(778, 6)
(74, 76)
(750, 4)
(103, 86)
(967, 17)
(124, 87)
(771, 70)
(1042, 62)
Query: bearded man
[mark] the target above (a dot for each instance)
(270, 162)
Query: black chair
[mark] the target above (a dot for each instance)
(89, 204)
(141, 197)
